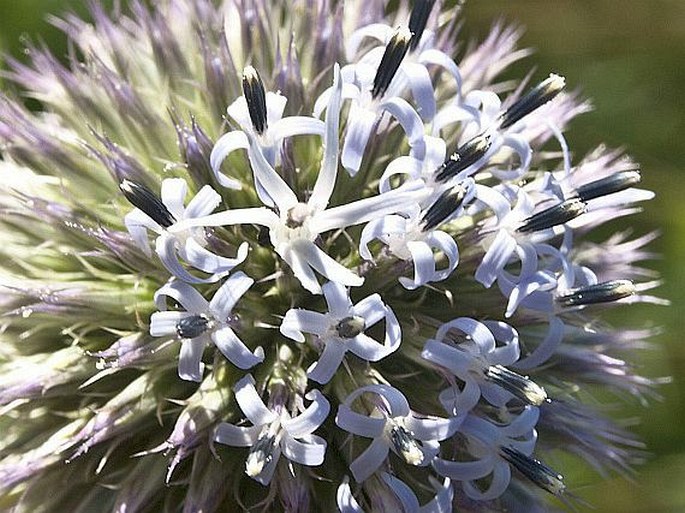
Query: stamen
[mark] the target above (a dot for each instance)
(406, 445)
(600, 293)
(535, 98)
(260, 455)
(350, 327)
(418, 19)
(391, 60)
(614, 183)
(147, 201)
(467, 154)
(253, 89)
(297, 215)
(521, 387)
(192, 326)
(553, 216)
(539, 473)
(443, 207)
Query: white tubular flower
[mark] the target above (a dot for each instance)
(373, 92)
(488, 444)
(414, 238)
(163, 216)
(203, 322)
(413, 70)
(274, 431)
(478, 357)
(342, 329)
(441, 503)
(392, 426)
(259, 115)
(522, 233)
(295, 226)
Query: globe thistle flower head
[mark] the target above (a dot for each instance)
(305, 256)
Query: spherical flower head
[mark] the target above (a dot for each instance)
(302, 255)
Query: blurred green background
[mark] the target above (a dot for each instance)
(628, 56)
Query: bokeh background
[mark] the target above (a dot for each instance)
(628, 56)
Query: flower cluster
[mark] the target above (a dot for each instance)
(385, 244)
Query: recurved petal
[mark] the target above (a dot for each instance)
(395, 402)
(371, 308)
(326, 265)
(424, 265)
(235, 350)
(332, 355)
(432, 428)
(444, 242)
(501, 476)
(346, 502)
(182, 293)
(164, 323)
(230, 293)
(507, 350)
(433, 56)
(458, 362)
(360, 125)
(190, 366)
(236, 436)
(379, 31)
(546, 348)
(311, 418)
(268, 473)
(357, 424)
(300, 268)
(411, 124)
(522, 149)
(173, 194)
(203, 203)
(251, 403)
(299, 321)
(376, 229)
(369, 349)
(404, 165)
(227, 144)
(337, 299)
(138, 223)
(478, 332)
(421, 88)
(442, 502)
(203, 259)
(410, 504)
(496, 257)
(296, 125)
(463, 470)
(310, 451)
(272, 183)
(369, 461)
(166, 250)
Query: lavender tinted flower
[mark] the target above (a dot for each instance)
(248, 109)
(342, 329)
(275, 431)
(203, 322)
(164, 216)
(442, 502)
(392, 426)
